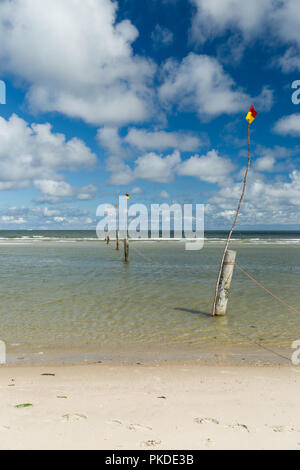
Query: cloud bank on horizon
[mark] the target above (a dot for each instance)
(104, 99)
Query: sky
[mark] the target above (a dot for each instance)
(148, 98)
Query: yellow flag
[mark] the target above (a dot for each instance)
(251, 115)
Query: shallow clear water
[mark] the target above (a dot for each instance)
(81, 297)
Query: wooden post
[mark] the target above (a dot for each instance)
(225, 283)
(2, 352)
(118, 241)
(126, 249)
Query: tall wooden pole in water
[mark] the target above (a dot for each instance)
(126, 249)
(118, 240)
(232, 229)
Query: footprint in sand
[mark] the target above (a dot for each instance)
(279, 428)
(131, 427)
(151, 443)
(206, 421)
(139, 427)
(4, 428)
(116, 421)
(73, 417)
(240, 427)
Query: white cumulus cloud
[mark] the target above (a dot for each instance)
(272, 20)
(266, 202)
(213, 17)
(6, 219)
(162, 140)
(210, 167)
(199, 83)
(76, 59)
(33, 151)
(288, 125)
(265, 163)
(61, 189)
(154, 167)
(164, 195)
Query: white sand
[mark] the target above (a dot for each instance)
(166, 406)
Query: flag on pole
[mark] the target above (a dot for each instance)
(251, 115)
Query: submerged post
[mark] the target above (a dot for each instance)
(126, 249)
(225, 283)
(117, 240)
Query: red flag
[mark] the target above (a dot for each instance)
(251, 115)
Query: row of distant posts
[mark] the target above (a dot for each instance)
(126, 245)
(225, 281)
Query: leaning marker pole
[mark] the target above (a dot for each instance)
(223, 282)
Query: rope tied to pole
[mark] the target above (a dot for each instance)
(266, 290)
(261, 286)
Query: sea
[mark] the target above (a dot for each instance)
(66, 296)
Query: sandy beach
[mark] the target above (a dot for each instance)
(156, 406)
(149, 226)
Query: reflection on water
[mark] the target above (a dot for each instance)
(56, 297)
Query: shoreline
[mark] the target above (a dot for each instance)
(149, 407)
(179, 242)
(255, 354)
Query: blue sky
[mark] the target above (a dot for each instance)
(150, 98)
